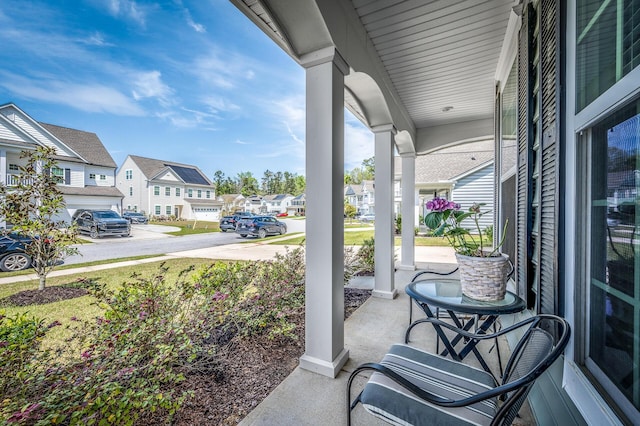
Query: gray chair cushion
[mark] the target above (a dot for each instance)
(387, 400)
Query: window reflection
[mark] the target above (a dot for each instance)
(614, 298)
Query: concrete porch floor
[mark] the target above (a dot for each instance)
(306, 398)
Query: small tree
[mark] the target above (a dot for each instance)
(349, 211)
(31, 207)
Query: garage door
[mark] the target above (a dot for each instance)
(208, 214)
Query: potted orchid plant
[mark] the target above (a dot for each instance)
(483, 269)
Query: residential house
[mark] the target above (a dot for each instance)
(275, 203)
(558, 82)
(297, 207)
(253, 204)
(361, 196)
(460, 173)
(85, 169)
(231, 202)
(166, 189)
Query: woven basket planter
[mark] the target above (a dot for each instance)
(484, 278)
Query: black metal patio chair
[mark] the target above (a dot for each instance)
(413, 387)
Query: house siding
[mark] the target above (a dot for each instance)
(21, 128)
(476, 187)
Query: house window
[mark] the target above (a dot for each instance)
(157, 209)
(177, 192)
(208, 194)
(167, 210)
(128, 174)
(128, 206)
(103, 177)
(92, 175)
(190, 193)
(167, 191)
(58, 174)
(156, 190)
(14, 168)
(607, 46)
(135, 208)
(613, 290)
(199, 193)
(131, 191)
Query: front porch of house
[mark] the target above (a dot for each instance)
(556, 86)
(306, 398)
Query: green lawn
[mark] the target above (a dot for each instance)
(83, 308)
(357, 237)
(187, 226)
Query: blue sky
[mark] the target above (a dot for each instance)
(188, 81)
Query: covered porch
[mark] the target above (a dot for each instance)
(424, 75)
(421, 76)
(306, 398)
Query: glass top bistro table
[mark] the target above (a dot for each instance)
(445, 293)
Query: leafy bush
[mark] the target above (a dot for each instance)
(366, 256)
(152, 334)
(20, 357)
(258, 297)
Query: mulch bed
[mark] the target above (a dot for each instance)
(41, 297)
(249, 370)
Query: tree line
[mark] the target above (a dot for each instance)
(247, 184)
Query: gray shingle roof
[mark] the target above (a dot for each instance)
(449, 163)
(86, 144)
(99, 191)
(151, 167)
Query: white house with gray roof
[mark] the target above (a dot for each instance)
(460, 173)
(165, 188)
(276, 203)
(85, 168)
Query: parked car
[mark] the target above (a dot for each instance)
(368, 218)
(98, 223)
(135, 217)
(282, 214)
(260, 226)
(228, 223)
(12, 252)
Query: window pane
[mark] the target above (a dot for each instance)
(607, 45)
(614, 293)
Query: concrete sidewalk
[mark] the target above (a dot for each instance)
(241, 251)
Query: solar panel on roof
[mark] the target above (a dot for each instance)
(189, 175)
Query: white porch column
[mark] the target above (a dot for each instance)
(324, 329)
(408, 180)
(3, 166)
(384, 231)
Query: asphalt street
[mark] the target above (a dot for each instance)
(153, 240)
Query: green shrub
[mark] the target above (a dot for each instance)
(130, 361)
(258, 297)
(366, 256)
(20, 361)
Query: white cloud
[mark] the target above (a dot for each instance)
(149, 85)
(96, 39)
(223, 69)
(127, 9)
(239, 142)
(199, 28)
(85, 97)
(219, 104)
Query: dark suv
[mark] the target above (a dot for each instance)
(260, 226)
(228, 223)
(98, 223)
(135, 217)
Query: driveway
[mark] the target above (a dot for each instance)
(138, 232)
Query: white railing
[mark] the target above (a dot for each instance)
(14, 180)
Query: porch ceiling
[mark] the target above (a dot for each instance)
(425, 55)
